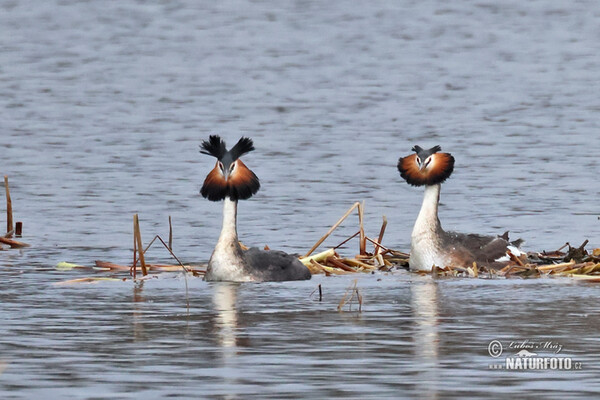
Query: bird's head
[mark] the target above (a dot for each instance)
(426, 167)
(230, 177)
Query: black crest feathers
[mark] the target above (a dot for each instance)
(243, 146)
(230, 177)
(214, 146)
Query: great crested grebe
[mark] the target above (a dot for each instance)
(230, 180)
(430, 245)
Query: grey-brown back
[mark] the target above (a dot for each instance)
(275, 265)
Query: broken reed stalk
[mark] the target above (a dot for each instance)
(138, 237)
(335, 262)
(347, 240)
(332, 229)
(134, 263)
(9, 214)
(562, 247)
(170, 234)
(320, 292)
(515, 258)
(168, 249)
(381, 232)
(378, 245)
(362, 244)
(13, 243)
(317, 257)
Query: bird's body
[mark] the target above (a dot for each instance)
(230, 181)
(430, 244)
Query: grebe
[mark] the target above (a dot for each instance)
(430, 245)
(230, 180)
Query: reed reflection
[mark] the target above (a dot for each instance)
(138, 313)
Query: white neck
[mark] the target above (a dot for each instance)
(425, 249)
(229, 231)
(428, 223)
(227, 260)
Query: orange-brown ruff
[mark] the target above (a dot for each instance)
(440, 169)
(241, 183)
(430, 244)
(231, 180)
(215, 186)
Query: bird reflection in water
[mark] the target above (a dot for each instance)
(424, 301)
(226, 329)
(226, 323)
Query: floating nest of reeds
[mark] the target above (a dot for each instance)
(567, 261)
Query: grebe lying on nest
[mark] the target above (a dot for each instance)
(230, 181)
(430, 245)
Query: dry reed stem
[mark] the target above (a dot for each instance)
(378, 246)
(362, 246)
(515, 258)
(329, 270)
(133, 270)
(347, 240)
(168, 249)
(87, 280)
(13, 243)
(170, 234)
(555, 266)
(337, 263)
(332, 229)
(380, 260)
(318, 257)
(589, 278)
(579, 269)
(320, 292)
(159, 267)
(316, 268)
(9, 213)
(138, 237)
(562, 247)
(358, 263)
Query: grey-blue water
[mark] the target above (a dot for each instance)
(103, 106)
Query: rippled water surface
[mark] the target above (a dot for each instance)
(103, 106)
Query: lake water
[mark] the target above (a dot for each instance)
(103, 106)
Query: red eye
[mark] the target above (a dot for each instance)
(418, 160)
(221, 166)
